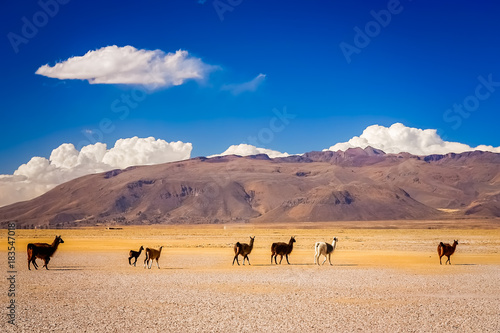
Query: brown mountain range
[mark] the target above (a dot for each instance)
(358, 184)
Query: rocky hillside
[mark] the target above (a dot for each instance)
(358, 184)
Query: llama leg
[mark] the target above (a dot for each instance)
(145, 262)
(46, 263)
(129, 262)
(272, 258)
(135, 262)
(324, 260)
(248, 260)
(34, 263)
(330, 258)
(236, 259)
(440, 261)
(281, 258)
(157, 264)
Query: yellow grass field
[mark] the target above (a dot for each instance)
(385, 277)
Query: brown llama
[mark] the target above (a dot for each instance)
(243, 249)
(282, 249)
(134, 254)
(446, 250)
(151, 255)
(42, 251)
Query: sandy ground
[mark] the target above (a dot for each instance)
(382, 280)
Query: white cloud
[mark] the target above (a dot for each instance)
(128, 65)
(246, 150)
(399, 138)
(238, 88)
(65, 163)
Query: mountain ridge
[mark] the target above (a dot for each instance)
(356, 184)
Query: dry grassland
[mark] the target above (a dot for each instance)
(386, 277)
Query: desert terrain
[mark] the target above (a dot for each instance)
(385, 277)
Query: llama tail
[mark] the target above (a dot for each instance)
(237, 247)
(30, 251)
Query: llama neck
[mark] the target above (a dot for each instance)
(334, 243)
(140, 250)
(290, 244)
(251, 243)
(54, 246)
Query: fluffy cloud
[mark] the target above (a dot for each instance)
(239, 88)
(128, 65)
(246, 150)
(399, 138)
(65, 163)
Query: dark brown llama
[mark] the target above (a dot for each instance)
(446, 250)
(134, 254)
(243, 249)
(282, 249)
(42, 251)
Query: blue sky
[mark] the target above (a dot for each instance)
(427, 58)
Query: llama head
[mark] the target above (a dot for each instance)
(455, 242)
(335, 239)
(292, 240)
(59, 239)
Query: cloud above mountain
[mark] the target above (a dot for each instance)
(400, 138)
(130, 66)
(247, 150)
(66, 163)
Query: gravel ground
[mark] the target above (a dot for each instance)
(100, 292)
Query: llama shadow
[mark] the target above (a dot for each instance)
(66, 268)
(305, 264)
(464, 265)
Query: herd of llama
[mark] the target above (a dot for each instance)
(45, 251)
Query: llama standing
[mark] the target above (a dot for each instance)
(243, 249)
(42, 251)
(446, 250)
(323, 248)
(152, 254)
(282, 249)
(134, 254)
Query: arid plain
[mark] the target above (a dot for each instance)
(385, 277)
